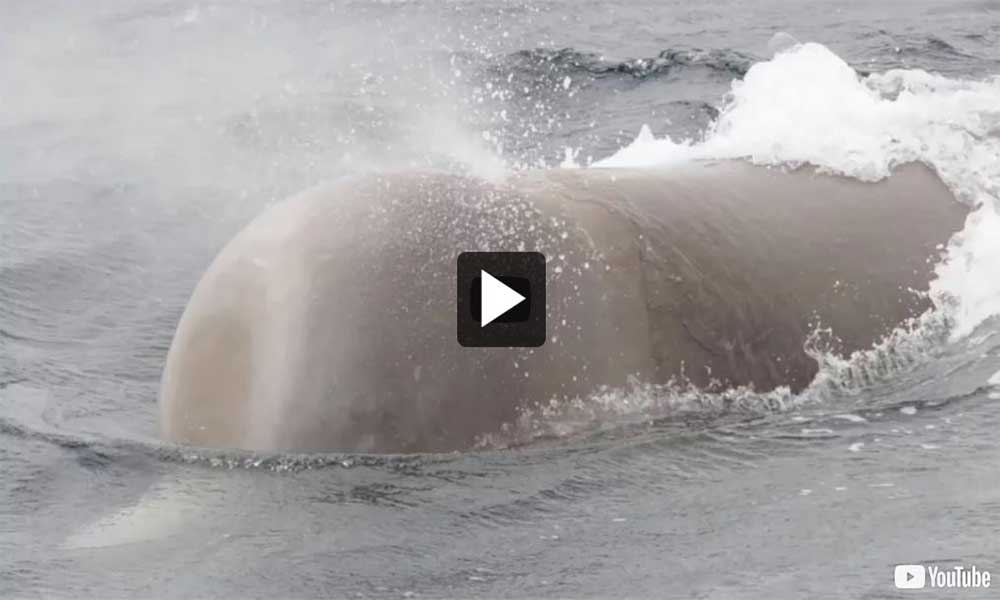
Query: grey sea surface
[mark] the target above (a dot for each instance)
(137, 137)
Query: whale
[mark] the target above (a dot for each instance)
(328, 323)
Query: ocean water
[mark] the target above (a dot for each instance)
(138, 137)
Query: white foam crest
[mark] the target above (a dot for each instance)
(968, 281)
(838, 377)
(807, 105)
(907, 345)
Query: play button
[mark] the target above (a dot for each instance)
(501, 299)
(496, 298)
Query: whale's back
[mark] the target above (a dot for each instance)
(329, 323)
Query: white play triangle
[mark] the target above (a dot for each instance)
(497, 298)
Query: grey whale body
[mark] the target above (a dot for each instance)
(328, 323)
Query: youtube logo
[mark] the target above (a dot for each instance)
(909, 577)
(501, 299)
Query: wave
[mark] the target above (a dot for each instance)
(569, 61)
(541, 64)
(97, 453)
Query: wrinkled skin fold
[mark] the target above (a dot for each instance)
(329, 322)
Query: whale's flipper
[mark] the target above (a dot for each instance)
(167, 507)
